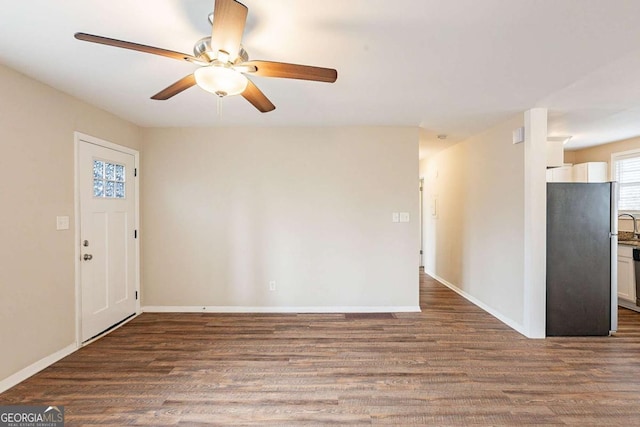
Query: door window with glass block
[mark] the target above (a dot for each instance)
(109, 180)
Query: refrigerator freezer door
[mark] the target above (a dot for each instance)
(578, 259)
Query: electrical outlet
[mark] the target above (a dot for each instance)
(272, 285)
(404, 217)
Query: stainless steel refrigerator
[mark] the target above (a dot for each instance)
(582, 252)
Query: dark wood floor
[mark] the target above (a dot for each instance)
(452, 364)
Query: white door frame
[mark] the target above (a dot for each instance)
(78, 139)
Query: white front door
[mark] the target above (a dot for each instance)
(107, 237)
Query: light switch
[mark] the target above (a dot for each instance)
(62, 223)
(395, 217)
(404, 217)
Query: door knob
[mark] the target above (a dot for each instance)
(87, 257)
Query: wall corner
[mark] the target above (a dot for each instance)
(535, 223)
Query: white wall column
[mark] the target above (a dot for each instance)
(535, 222)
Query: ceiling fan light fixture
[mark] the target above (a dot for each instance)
(222, 81)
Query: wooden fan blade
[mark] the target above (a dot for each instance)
(182, 84)
(257, 98)
(134, 46)
(229, 19)
(292, 71)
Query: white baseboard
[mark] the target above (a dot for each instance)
(36, 367)
(507, 321)
(241, 309)
(628, 305)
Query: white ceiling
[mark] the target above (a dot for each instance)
(451, 67)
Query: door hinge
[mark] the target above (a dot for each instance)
(136, 295)
(135, 234)
(135, 171)
(420, 252)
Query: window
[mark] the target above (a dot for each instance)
(626, 170)
(108, 180)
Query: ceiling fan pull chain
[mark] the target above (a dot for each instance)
(219, 105)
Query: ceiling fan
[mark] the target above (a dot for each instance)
(223, 61)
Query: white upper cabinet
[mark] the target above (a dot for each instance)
(561, 174)
(590, 172)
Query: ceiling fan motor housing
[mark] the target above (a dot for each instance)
(202, 50)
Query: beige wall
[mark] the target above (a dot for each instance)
(602, 153)
(37, 308)
(570, 157)
(226, 210)
(476, 240)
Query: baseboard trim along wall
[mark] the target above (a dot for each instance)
(509, 322)
(36, 367)
(319, 310)
(41, 364)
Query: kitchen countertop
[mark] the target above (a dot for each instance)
(627, 238)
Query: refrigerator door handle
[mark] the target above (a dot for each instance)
(613, 234)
